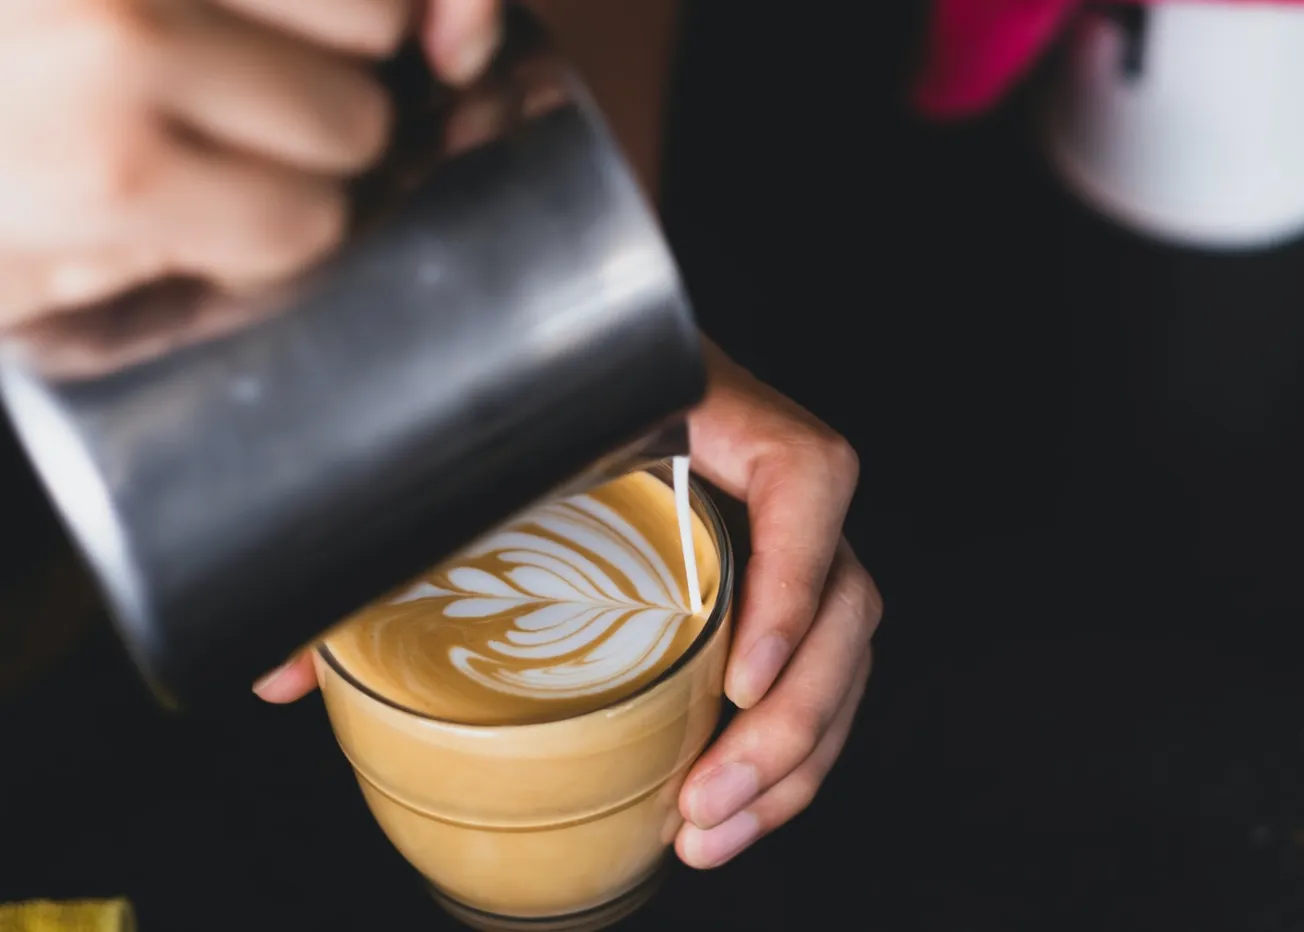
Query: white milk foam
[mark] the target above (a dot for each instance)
(684, 511)
(578, 603)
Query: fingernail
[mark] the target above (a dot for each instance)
(759, 669)
(474, 123)
(722, 793)
(269, 679)
(472, 53)
(712, 848)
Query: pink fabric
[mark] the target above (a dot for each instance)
(977, 49)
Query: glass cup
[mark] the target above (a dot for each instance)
(559, 825)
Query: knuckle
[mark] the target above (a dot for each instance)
(795, 732)
(795, 598)
(842, 458)
(800, 792)
(859, 593)
(117, 172)
(824, 452)
(118, 152)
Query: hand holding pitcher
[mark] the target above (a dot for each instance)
(187, 137)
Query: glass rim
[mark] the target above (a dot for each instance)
(698, 496)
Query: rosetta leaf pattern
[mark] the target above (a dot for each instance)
(584, 604)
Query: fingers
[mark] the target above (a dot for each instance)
(183, 137)
(461, 37)
(30, 285)
(797, 477)
(265, 93)
(765, 744)
(365, 27)
(232, 219)
(288, 683)
(798, 499)
(706, 848)
(89, 342)
(238, 220)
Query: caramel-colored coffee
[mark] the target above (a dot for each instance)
(521, 719)
(580, 603)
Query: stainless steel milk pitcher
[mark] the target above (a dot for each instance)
(506, 324)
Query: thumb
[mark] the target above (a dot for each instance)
(287, 683)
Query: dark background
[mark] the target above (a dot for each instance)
(1081, 469)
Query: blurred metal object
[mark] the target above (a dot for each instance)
(506, 324)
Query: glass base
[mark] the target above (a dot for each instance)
(589, 920)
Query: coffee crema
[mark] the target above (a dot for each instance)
(570, 608)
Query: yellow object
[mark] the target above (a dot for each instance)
(75, 916)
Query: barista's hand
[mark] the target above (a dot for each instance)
(140, 138)
(801, 652)
(146, 138)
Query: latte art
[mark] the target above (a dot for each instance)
(569, 607)
(590, 633)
